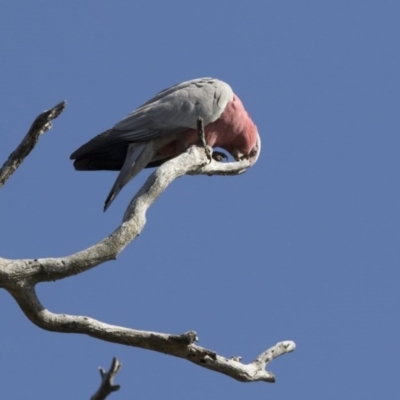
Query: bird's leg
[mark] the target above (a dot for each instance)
(202, 138)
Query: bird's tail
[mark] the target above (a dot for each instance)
(138, 156)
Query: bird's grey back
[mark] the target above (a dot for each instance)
(171, 111)
(178, 108)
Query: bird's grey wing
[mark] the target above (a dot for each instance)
(175, 88)
(137, 157)
(177, 108)
(172, 110)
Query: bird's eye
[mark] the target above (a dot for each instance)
(253, 151)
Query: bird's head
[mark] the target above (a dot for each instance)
(251, 155)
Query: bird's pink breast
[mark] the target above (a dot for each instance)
(232, 131)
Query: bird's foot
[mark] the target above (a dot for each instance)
(219, 156)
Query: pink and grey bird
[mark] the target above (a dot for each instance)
(165, 126)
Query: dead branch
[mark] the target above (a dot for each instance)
(107, 381)
(19, 277)
(40, 125)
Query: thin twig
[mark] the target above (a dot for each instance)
(41, 124)
(202, 138)
(107, 381)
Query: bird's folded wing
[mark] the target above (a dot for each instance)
(172, 110)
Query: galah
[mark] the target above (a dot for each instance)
(165, 126)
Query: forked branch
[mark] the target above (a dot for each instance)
(107, 381)
(19, 277)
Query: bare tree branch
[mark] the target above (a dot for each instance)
(19, 278)
(202, 137)
(107, 381)
(41, 124)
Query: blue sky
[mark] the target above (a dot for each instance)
(305, 246)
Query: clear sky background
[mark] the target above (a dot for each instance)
(303, 247)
